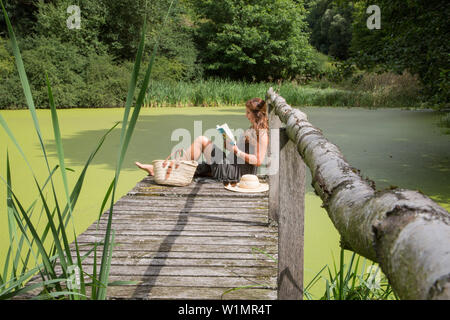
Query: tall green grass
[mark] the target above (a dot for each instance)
(54, 258)
(357, 280)
(370, 92)
(219, 92)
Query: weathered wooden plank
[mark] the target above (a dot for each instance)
(134, 272)
(119, 223)
(144, 292)
(201, 199)
(187, 288)
(186, 227)
(180, 202)
(211, 223)
(186, 210)
(175, 239)
(185, 215)
(187, 281)
(237, 218)
(290, 222)
(212, 262)
(189, 208)
(138, 254)
(177, 251)
(198, 247)
(251, 219)
(145, 214)
(183, 233)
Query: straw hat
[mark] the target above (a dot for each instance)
(248, 183)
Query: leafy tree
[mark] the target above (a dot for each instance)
(90, 66)
(114, 27)
(176, 44)
(123, 24)
(60, 62)
(331, 27)
(51, 22)
(253, 39)
(77, 80)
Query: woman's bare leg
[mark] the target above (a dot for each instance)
(200, 145)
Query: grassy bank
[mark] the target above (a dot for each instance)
(365, 90)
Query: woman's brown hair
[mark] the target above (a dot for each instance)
(258, 108)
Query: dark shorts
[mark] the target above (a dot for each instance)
(223, 168)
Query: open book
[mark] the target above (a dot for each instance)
(225, 130)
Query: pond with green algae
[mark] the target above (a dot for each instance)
(392, 147)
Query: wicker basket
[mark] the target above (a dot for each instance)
(174, 172)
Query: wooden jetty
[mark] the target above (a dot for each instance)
(194, 242)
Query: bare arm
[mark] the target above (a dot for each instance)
(261, 150)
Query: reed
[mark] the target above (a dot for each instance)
(59, 265)
(355, 281)
(372, 91)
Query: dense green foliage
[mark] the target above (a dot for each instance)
(241, 40)
(413, 37)
(77, 80)
(177, 49)
(259, 39)
(90, 66)
(331, 27)
(51, 24)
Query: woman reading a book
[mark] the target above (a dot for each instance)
(243, 158)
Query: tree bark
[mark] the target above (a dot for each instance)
(404, 231)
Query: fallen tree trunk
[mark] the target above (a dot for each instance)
(404, 231)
